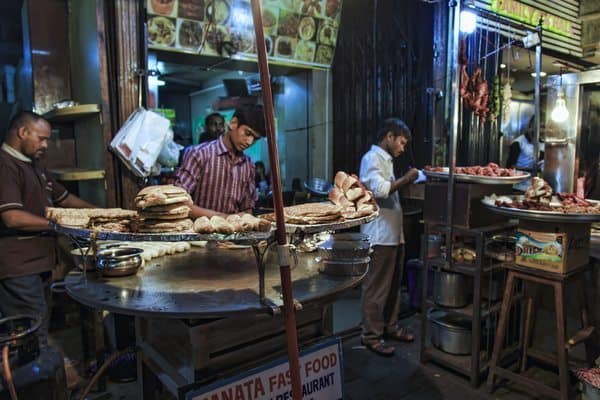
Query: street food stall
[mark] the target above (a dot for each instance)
(213, 304)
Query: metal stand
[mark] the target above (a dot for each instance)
(482, 313)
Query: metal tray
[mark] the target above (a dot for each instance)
(486, 180)
(544, 216)
(332, 226)
(239, 237)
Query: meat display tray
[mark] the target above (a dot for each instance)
(543, 216)
(238, 237)
(486, 180)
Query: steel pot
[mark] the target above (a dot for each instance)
(451, 289)
(355, 267)
(120, 261)
(333, 249)
(450, 333)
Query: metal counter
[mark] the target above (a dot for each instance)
(204, 283)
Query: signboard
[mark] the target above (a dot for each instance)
(297, 32)
(320, 370)
(531, 16)
(561, 22)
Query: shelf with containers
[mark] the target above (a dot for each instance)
(460, 315)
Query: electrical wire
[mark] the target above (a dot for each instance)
(103, 368)
(8, 373)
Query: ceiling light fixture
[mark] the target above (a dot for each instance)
(560, 112)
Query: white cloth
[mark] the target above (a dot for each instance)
(377, 173)
(526, 158)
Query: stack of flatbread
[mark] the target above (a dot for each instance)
(350, 194)
(233, 223)
(163, 208)
(312, 213)
(99, 219)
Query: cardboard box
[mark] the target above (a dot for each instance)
(555, 248)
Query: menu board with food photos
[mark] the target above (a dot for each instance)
(297, 32)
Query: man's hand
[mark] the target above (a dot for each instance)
(406, 179)
(411, 175)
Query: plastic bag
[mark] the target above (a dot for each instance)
(140, 140)
(169, 155)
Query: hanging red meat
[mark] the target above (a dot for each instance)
(473, 90)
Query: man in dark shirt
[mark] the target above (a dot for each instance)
(28, 246)
(214, 126)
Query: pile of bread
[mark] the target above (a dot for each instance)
(312, 213)
(230, 224)
(352, 196)
(98, 219)
(163, 208)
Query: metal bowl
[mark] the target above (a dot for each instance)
(450, 333)
(121, 261)
(83, 259)
(343, 250)
(343, 268)
(318, 186)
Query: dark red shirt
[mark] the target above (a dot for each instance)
(216, 179)
(26, 186)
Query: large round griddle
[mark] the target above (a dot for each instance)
(204, 283)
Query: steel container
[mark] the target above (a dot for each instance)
(449, 333)
(121, 261)
(355, 267)
(451, 289)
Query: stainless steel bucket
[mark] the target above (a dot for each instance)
(451, 289)
(450, 333)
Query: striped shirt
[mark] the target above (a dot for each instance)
(217, 179)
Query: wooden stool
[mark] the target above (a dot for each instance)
(558, 282)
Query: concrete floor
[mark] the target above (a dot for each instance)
(371, 377)
(366, 376)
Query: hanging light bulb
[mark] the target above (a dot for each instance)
(468, 21)
(560, 113)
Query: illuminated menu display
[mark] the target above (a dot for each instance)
(297, 32)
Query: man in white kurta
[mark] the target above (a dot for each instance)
(380, 300)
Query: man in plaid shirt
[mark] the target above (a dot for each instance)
(217, 174)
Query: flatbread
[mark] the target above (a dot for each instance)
(313, 210)
(161, 195)
(178, 225)
(168, 208)
(164, 216)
